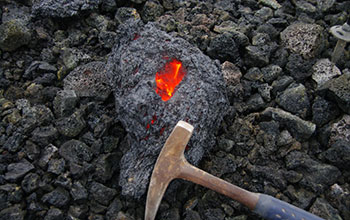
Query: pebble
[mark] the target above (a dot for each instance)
(339, 90)
(16, 171)
(59, 197)
(14, 34)
(75, 151)
(101, 193)
(299, 128)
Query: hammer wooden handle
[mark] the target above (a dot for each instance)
(266, 206)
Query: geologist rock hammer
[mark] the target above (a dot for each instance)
(171, 164)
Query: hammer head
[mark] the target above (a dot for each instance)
(168, 166)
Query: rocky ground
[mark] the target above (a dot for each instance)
(286, 132)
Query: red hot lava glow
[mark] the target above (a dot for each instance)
(168, 78)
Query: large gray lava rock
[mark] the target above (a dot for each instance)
(200, 99)
(62, 8)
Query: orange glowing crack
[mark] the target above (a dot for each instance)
(168, 78)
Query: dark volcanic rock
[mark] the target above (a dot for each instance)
(14, 34)
(102, 193)
(46, 155)
(105, 166)
(339, 89)
(44, 135)
(78, 192)
(54, 214)
(75, 151)
(65, 102)
(16, 171)
(62, 8)
(323, 111)
(14, 142)
(224, 47)
(125, 13)
(71, 126)
(13, 213)
(298, 67)
(30, 182)
(298, 127)
(324, 210)
(151, 10)
(56, 166)
(58, 198)
(270, 174)
(89, 80)
(37, 68)
(295, 100)
(199, 99)
(316, 176)
(339, 154)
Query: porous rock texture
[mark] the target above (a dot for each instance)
(200, 98)
(62, 8)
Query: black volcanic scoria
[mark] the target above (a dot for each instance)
(157, 80)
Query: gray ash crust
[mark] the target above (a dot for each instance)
(200, 98)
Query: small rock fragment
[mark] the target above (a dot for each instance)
(339, 90)
(72, 125)
(295, 100)
(15, 171)
(323, 111)
(75, 151)
(64, 103)
(54, 214)
(271, 3)
(56, 166)
(89, 80)
(324, 210)
(46, 155)
(30, 182)
(78, 192)
(62, 9)
(13, 213)
(14, 34)
(304, 39)
(44, 135)
(323, 71)
(316, 176)
(102, 193)
(299, 128)
(58, 197)
(151, 10)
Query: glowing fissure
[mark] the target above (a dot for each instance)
(168, 78)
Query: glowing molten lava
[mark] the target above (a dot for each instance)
(168, 78)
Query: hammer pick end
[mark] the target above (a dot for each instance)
(168, 166)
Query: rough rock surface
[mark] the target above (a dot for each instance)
(304, 39)
(295, 100)
(16, 171)
(339, 89)
(316, 176)
(62, 8)
(89, 80)
(13, 34)
(139, 54)
(323, 71)
(298, 127)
